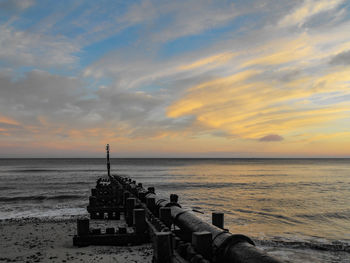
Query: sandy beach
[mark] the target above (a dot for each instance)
(50, 240)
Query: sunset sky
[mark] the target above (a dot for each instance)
(175, 78)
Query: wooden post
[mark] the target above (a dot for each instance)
(142, 197)
(122, 230)
(92, 201)
(130, 204)
(151, 189)
(218, 220)
(93, 215)
(83, 227)
(108, 163)
(110, 230)
(162, 247)
(151, 204)
(125, 197)
(110, 215)
(202, 243)
(165, 215)
(140, 221)
(117, 214)
(96, 231)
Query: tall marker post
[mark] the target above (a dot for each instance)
(108, 163)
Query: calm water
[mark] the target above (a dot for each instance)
(298, 209)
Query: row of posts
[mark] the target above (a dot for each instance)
(200, 248)
(164, 241)
(134, 217)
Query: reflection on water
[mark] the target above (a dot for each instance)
(269, 198)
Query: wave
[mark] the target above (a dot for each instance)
(317, 216)
(184, 185)
(332, 246)
(277, 216)
(219, 185)
(6, 188)
(53, 170)
(41, 197)
(65, 183)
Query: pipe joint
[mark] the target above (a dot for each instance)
(221, 251)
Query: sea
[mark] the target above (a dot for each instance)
(296, 209)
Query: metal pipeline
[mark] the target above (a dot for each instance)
(227, 247)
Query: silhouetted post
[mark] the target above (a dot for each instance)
(125, 197)
(83, 227)
(174, 198)
(165, 215)
(110, 230)
(108, 163)
(142, 197)
(96, 231)
(117, 214)
(110, 215)
(139, 216)
(92, 201)
(217, 219)
(202, 243)
(130, 204)
(122, 230)
(151, 204)
(162, 247)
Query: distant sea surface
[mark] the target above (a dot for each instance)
(298, 209)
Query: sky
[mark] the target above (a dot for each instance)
(173, 78)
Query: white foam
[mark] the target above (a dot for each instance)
(57, 213)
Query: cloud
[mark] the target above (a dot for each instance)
(44, 105)
(156, 22)
(186, 17)
(204, 94)
(244, 106)
(264, 88)
(176, 75)
(39, 93)
(30, 49)
(271, 138)
(283, 51)
(211, 61)
(308, 9)
(342, 58)
(7, 121)
(15, 5)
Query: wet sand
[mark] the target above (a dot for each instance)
(48, 240)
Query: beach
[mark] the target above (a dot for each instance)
(51, 240)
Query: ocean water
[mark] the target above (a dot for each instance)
(297, 209)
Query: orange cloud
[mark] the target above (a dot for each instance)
(211, 61)
(7, 120)
(308, 9)
(249, 109)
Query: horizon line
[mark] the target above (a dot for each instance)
(320, 157)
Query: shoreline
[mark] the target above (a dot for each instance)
(51, 240)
